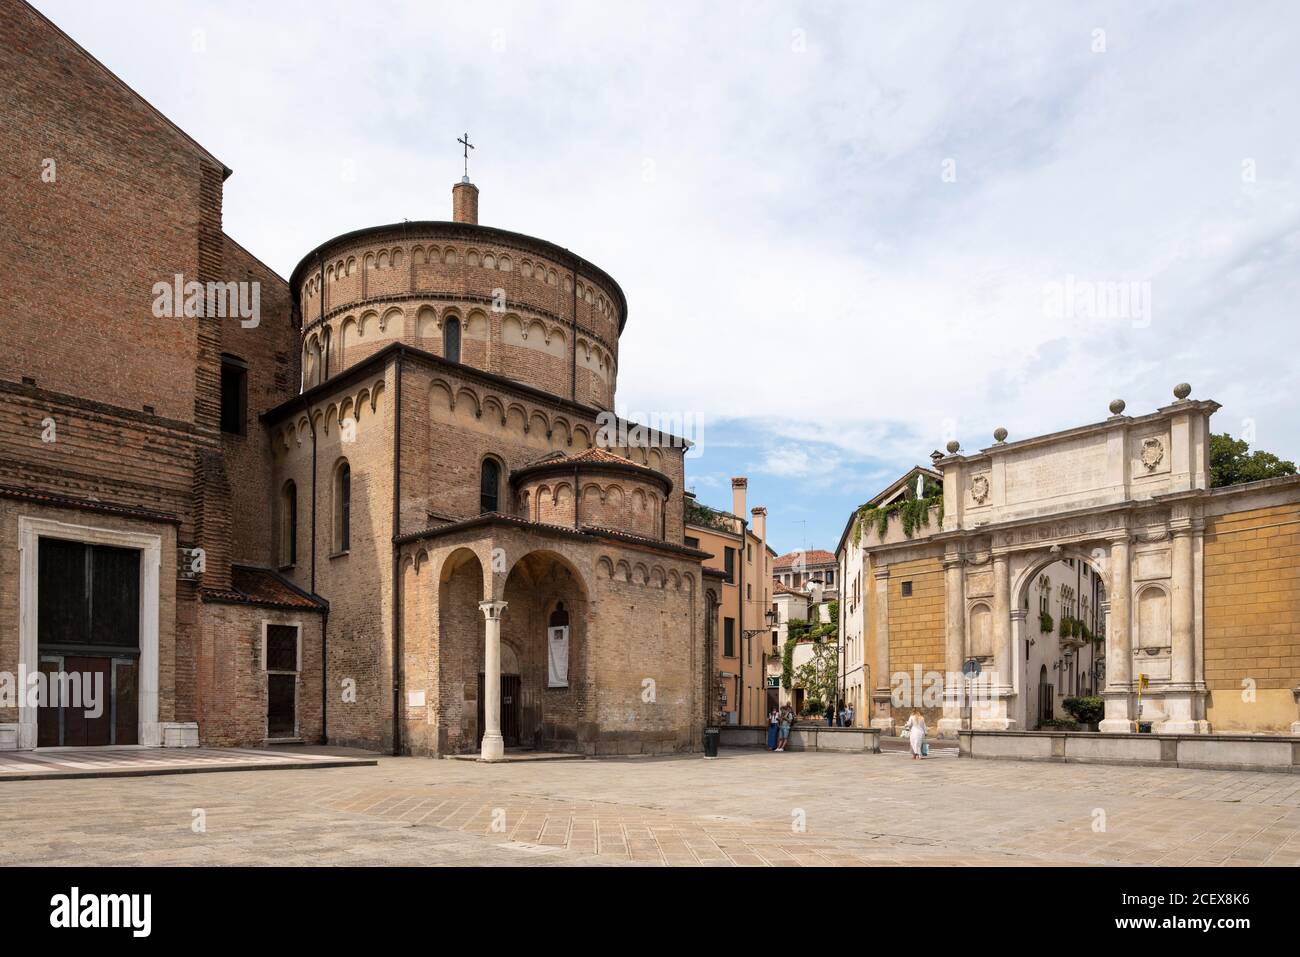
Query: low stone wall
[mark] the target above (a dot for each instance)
(804, 738)
(1218, 752)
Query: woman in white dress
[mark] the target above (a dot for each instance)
(915, 731)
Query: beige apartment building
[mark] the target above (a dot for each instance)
(737, 604)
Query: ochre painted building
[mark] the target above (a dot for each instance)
(738, 597)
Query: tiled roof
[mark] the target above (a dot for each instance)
(591, 456)
(814, 556)
(779, 589)
(261, 586)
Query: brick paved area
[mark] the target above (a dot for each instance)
(743, 809)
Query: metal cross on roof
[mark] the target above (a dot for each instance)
(468, 146)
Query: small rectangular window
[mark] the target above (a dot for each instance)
(692, 542)
(907, 589)
(729, 637)
(729, 564)
(234, 395)
(281, 647)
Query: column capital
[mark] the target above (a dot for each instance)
(492, 609)
(882, 572)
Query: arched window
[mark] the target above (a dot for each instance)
(342, 507)
(489, 486)
(451, 340)
(559, 617)
(289, 524)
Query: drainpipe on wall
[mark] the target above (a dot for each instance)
(324, 658)
(397, 571)
(740, 601)
(324, 676)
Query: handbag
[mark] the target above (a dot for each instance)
(925, 749)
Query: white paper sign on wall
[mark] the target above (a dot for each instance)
(557, 657)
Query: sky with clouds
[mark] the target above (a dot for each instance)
(847, 232)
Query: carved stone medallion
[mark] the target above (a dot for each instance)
(979, 489)
(1153, 451)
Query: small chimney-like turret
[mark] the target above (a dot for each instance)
(738, 487)
(464, 202)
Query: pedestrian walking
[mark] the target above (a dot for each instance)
(915, 732)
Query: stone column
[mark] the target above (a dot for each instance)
(954, 647)
(882, 718)
(1002, 621)
(1119, 644)
(1181, 695)
(997, 715)
(494, 745)
(1182, 611)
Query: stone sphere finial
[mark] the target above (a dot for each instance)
(1117, 407)
(999, 435)
(953, 446)
(1182, 391)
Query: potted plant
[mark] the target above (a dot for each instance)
(1045, 623)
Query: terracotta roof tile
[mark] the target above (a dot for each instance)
(814, 556)
(261, 586)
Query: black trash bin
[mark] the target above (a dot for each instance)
(1144, 727)
(711, 742)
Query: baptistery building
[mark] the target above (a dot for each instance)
(498, 573)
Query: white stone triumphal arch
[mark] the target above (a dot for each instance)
(1124, 497)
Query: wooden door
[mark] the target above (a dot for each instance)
(82, 728)
(511, 687)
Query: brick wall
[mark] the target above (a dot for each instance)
(80, 255)
(271, 351)
(1252, 617)
(234, 686)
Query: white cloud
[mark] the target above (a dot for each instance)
(796, 258)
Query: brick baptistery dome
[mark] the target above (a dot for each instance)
(500, 301)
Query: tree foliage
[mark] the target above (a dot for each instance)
(1232, 462)
(819, 675)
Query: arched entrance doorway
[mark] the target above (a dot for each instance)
(1059, 614)
(460, 649)
(544, 682)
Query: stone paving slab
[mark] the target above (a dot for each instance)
(136, 762)
(744, 809)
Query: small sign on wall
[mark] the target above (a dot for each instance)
(415, 699)
(191, 562)
(557, 657)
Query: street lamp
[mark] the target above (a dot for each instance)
(748, 635)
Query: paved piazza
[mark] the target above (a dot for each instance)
(741, 809)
